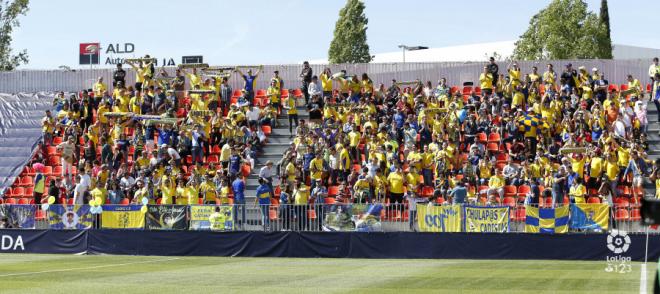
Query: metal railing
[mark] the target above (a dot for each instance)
(329, 217)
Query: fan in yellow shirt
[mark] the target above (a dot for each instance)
(550, 78)
(326, 81)
(486, 81)
(634, 87)
(514, 74)
(395, 183)
(207, 190)
(168, 192)
(578, 191)
(316, 167)
(99, 88)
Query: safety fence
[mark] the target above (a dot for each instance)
(582, 218)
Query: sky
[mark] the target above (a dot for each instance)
(285, 31)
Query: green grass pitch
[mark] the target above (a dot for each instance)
(35, 273)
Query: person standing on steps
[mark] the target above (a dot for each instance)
(306, 77)
(292, 112)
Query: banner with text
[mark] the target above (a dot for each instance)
(211, 217)
(166, 217)
(486, 219)
(446, 218)
(122, 217)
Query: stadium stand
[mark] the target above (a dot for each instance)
(514, 137)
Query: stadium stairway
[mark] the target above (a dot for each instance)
(653, 138)
(278, 141)
(20, 131)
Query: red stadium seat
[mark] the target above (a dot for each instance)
(10, 201)
(216, 150)
(520, 214)
(48, 170)
(494, 137)
(501, 157)
(256, 101)
(427, 191)
(612, 87)
(29, 171)
(23, 201)
(57, 171)
(548, 201)
(333, 191)
(26, 181)
(621, 214)
(266, 129)
(261, 93)
(509, 201)
(453, 90)
(212, 159)
(284, 93)
(297, 93)
(17, 192)
(593, 200)
(524, 190)
(51, 150)
(246, 170)
(467, 90)
(510, 191)
(481, 137)
(54, 161)
(28, 191)
(236, 94)
(621, 202)
(635, 215)
(493, 147)
(124, 201)
(57, 141)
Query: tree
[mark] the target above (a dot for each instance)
(9, 12)
(349, 44)
(605, 20)
(564, 30)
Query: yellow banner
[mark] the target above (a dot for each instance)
(201, 217)
(446, 218)
(122, 217)
(486, 219)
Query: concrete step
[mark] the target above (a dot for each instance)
(275, 149)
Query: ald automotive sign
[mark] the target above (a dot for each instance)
(90, 54)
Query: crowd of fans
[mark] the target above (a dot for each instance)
(542, 138)
(555, 137)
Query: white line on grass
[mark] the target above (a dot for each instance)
(642, 280)
(89, 267)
